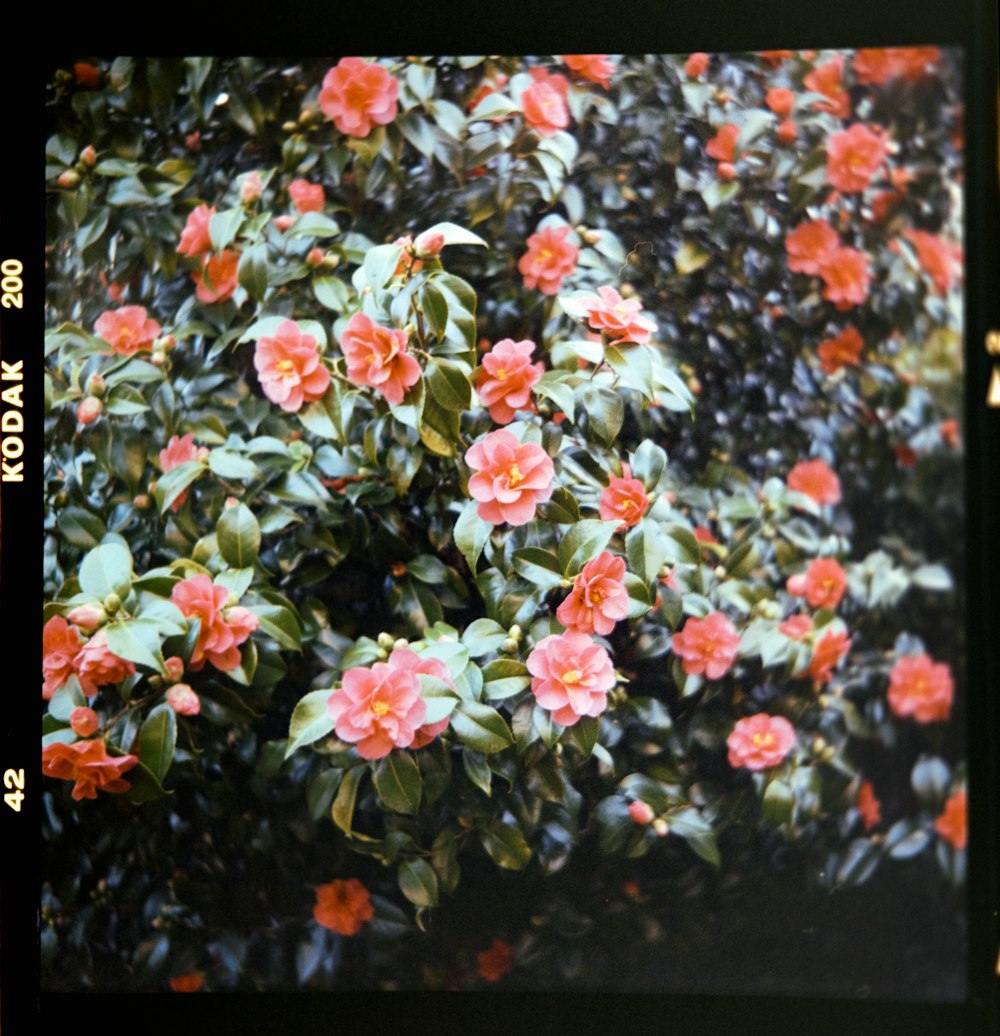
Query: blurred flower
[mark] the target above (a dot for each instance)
(760, 742)
(621, 320)
(220, 634)
(183, 700)
(544, 103)
(549, 260)
(795, 626)
(306, 196)
(83, 721)
(786, 132)
(916, 62)
(594, 67)
(251, 188)
(696, 65)
(846, 277)
(810, 246)
(359, 95)
(190, 982)
(841, 351)
(952, 824)
(641, 812)
(939, 260)
(510, 478)
(218, 277)
(815, 479)
(494, 963)
(378, 709)
(572, 676)
(624, 499)
(505, 379)
(854, 156)
(776, 57)
(707, 646)
(343, 906)
(825, 583)
(89, 765)
(598, 599)
(780, 100)
(127, 330)
(60, 645)
(876, 65)
(377, 357)
(827, 654)
(195, 238)
(921, 688)
(826, 80)
(87, 75)
(289, 367)
(868, 806)
(89, 409)
(949, 435)
(487, 87)
(722, 147)
(97, 665)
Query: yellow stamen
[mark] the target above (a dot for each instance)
(571, 676)
(501, 374)
(514, 475)
(380, 708)
(763, 740)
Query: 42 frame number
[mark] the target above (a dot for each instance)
(14, 779)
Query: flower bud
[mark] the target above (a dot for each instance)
(112, 603)
(386, 640)
(142, 502)
(251, 189)
(182, 699)
(720, 571)
(661, 827)
(401, 643)
(787, 131)
(193, 141)
(641, 812)
(83, 721)
(89, 410)
(284, 223)
(515, 632)
(509, 646)
(315, 257)
(68, 178)
(96, 385)
(87, 617)
(175, 668)
(165, 344)
(428, 244)
(88, 155)
(726, 171)
(230, 501)
(289, 127)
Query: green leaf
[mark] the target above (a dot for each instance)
(125, 401)
(279, 622)
(646, 551)
(380, 265)
(483, 636)
(252, 271)
(80, 527)
(138, 641)
(170, 486)
(605, 410)
(107, 569)
(314, 224)
(157, 739)
(224, 226)
(779, 803)
(505, 845)
(933, 577)
(66, 699)
(347, 794)
(478, 771)
(471, 533)
(557, 386)
(539, 566)
(229, 464)
(649, 461)
(698, 833)
(238, 536)
(439, 429)
(493, 106)
(418, 882)
(562, 508)
(584, 541)
(583, 734)
(311, 720)
(449, 385)
(455, 235)
(480, 727)
(435, 308)
(689, 257)
(504, 677)
(332, 293)
(398, 782)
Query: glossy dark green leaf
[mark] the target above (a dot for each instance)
(480, 727)
(398, 781)
(238, 536)
(506, 845)
(157, 739)
(311, 720)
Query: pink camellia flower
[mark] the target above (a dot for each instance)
(937, 258)
(593, 67)
(89, 765)
(251, 189)
(289, 367)
(921, 688)
(641, 812)
(825, 583)
(343, 906)
(550, 259)
(127, 330)
(358, 95)
(760, 742)
(707, 646)
(841, 351)
(83, 721)
(624, 499)
(722, 147)
(221, 632)
(796, 626)
(846, 277)
(306, 196)
(810, 246)
(89, 410)
(411, 662)
(180, 450)
(378, 709)
(510, 479)
(195, 238)
(598, 598)
(781, 101)
(60, 645)
(183, 700)
(696, 65)
(854, 156)
(544, 103)
(218, 277)
(622, 320)
(826, 80)
(572, 676)
(815, 479)
(953, 823)
(97, 665)
(827, 654)
(87, 617)
(377, 357)
(505, 379)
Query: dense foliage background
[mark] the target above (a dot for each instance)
(760, 423)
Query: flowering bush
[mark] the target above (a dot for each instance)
(498, 510)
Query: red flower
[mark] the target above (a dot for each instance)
(949, 435)
(343, 906)
(827, 655)
(722, 147)
(854, 156)
(921, 688)
(936, 257)
(876, 65)
(868, 806)
(815, 479)
(624, 499)
(505, 379)
(760, 742)
(916, 62)
(780, 100)
(83, 721)
(190, 982)
(572, 676)
(359, 95)
(180, 450)
(826, 80)
(544, 103)
(825, 583)
(289, 367)
(696, 65)
(549, 260)
(846, 278)
(952, 824)
(810, 246)
(510, 478)
(195, 238)
(306, 196)
(128, 330)
(89, 765)
(218, 277)
(621, 320)
(796, 626)
(60, 645)
(594, 67)
(96, 665)
(775, 57)
(221, 632)
(377, 357)
(87, 75)
(707, 646)
(841, 351)
(494, 963)
(598, 598)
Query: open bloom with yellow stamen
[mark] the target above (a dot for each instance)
(572, 676)
(506, 377)
(760, 742)
(598, 598)
(511, 478)
(624, 499)
(288, 365)
(622, 320)
(378, 709)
